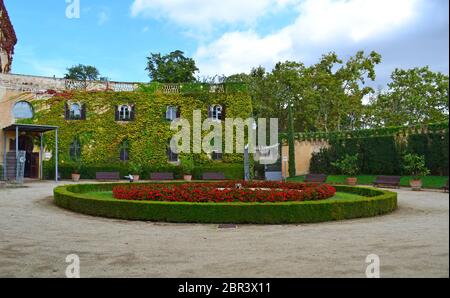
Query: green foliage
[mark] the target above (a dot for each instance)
(135, 168)
(101, 136)
(429, 182)
(414, 96)
(381, 150)
(414, 165)
(377, 155)
(348, 165)
(326, 96)
(373, 203)
(397, 131)
(83, 73)
(231, 171)
(171, 68)
(187, 164)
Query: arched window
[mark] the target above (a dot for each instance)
(124, 113)
(75, 150)
(216, 113)
(124, 151)
(75, 112)
(23, 110)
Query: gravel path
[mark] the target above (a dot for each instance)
(36, 236)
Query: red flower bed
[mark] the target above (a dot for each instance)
(261, 192)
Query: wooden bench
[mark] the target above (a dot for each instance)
(161, 176)
(393, 181)
(316, 178)
(213, 176)
(103, 176)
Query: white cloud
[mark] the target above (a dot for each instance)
(320, 26)
(205, 13)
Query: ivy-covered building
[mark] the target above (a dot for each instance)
(110, 126)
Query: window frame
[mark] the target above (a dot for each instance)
(121, 113)
(29, 105)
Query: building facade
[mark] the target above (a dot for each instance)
(103, 125)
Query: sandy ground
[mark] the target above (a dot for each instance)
(36, 236)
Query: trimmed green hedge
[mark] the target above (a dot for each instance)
(376, 202)
(429, 182)
(382, 155)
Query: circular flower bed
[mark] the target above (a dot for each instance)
(226, 192)
(98, 200)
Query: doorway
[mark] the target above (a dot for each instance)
(26, 143)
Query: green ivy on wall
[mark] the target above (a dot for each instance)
(100, 135)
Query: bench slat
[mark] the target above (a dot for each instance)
(107, 176)
(316, 178)
(388, 180)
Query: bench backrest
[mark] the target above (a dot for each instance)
(107, 176)
(214, 176)
(388, 179)
(162, 176)
(317, 178)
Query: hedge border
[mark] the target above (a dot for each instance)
(376, 202)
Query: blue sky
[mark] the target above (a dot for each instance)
(226, 37)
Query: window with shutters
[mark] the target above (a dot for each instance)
(172, 113)
(75, 150)
(125, 113)
(216, 113)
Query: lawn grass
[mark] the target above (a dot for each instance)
(430, 182)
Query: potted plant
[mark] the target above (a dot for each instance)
(187, 165)
(414, 165)
(77, 166)
(349, 167)
(136, 170)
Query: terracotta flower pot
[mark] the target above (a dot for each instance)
(352, 181)
(416, 184)
(76, 177)
(187, 177)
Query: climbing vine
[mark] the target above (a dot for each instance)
(101, 135)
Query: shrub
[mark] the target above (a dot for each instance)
(255, 192)
(414, 165)
(348, 165)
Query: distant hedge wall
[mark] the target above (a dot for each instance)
(383, 154)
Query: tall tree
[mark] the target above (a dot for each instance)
(414, 96)
(171, 68)
(84, 74)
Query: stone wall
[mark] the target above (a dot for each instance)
(303, 154)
